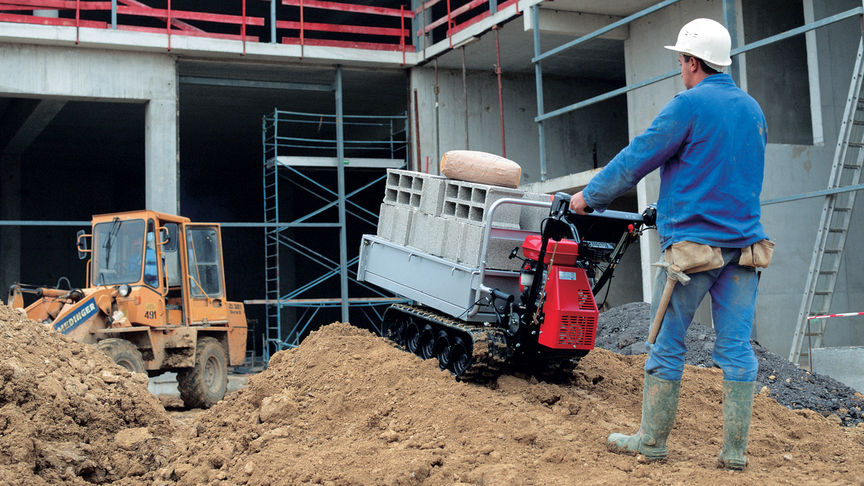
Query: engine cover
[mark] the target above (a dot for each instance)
(570, 312)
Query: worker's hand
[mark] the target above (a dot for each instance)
(578, 204)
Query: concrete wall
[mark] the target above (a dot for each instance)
(84, 74)
(573, 141)
(789, 169)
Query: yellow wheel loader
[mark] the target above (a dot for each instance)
(154, 301)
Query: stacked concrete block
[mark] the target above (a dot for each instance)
(394, 222)
(446, 218)
(530, 218)
(407, 196)
(471, 202)
(428, 233)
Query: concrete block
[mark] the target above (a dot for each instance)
(394, 223)
(471, 202)
(428, 233)
(496, 255)
(432, 195)
(844, 364)
(408, 188)
(531, 217)
(472, 238)
(454, 231)
(385, 221)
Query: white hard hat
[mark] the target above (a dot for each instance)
(706, 39)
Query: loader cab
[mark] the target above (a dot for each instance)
(173, 267)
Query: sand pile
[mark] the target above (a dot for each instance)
(347, 407)
(69, 415)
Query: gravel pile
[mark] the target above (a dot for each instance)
(624, 330)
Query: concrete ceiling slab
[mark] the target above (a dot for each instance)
(601, 59)
(621, 8)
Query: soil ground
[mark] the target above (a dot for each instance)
(347, 407)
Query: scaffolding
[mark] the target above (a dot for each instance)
(301, 153)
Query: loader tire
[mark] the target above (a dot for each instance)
(124, 353)
(205, 383)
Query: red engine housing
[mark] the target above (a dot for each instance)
(569, 312)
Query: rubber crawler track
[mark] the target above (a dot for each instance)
(489, 350)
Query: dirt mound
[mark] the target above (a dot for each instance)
(624, 330)
(347, 407)
(68, 414)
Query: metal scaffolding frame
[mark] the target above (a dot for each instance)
(294, 160)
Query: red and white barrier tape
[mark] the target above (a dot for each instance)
(826, 316)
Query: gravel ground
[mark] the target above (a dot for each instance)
(624, 330)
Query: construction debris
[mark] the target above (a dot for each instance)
(347, 407)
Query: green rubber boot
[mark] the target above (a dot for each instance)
(737, 410)
(659, 406)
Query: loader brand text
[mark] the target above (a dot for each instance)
(70, 322)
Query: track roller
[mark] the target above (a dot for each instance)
(412, 337)
(426, 345)
(441, 349)
(460, 357)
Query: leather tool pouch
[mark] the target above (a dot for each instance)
(693, 257)
(757, 255)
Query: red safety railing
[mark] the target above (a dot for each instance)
(460, 17)
(304, 22)
(348, 35)
(137, 16)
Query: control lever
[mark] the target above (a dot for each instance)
(497, 295)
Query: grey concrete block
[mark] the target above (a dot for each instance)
(432, 195)
(530, 217)
(407, 188)
(428, 233)
(454, 231)
(497, 255)
(471, 202)
(394, 223)
(385, 221)
(472, 238)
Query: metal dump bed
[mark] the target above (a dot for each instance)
(453, 288)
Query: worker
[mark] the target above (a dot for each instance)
(709, 144)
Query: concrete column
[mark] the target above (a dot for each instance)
(161, 169)
(10, 208)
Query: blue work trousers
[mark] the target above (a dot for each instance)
(733, 303)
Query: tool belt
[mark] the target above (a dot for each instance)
(692, 257)
(757, 255)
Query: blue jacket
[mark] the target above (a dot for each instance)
(709, 143)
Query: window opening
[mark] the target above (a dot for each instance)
(118, 252)
(203, 253)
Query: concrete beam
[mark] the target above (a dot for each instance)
(575, 24)
(570, 183)
(33, 125)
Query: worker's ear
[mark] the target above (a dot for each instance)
(693, 65)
